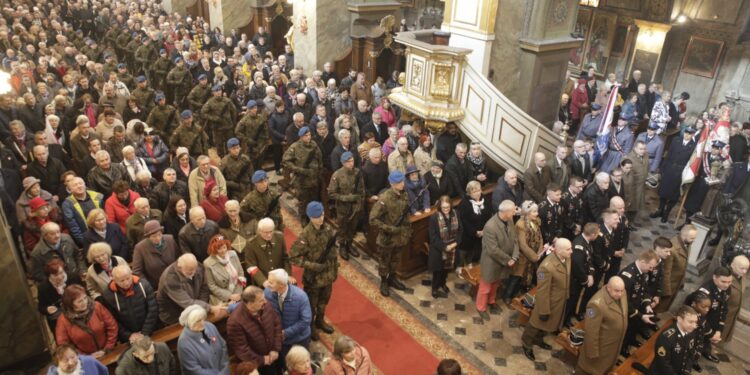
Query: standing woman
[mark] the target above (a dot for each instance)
(445, 237)
(530, 245)
(474, 213)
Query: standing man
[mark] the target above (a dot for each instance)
(536, 178)
(621, 237)
(304, 159)
(180, 80)
(580, 162)
(640, 312)
(553, 285)
(663, 249)
(669, 190)
(672, 354)
(262, 201)
(620, 144)
(603, 248)
(390, 216)
(189, 135)
(252, 130)
(236, 168)
(675, 266)
(636, 180)
(606, 322)
(559, 166)
(254, 332)
(739, 267)
(596, 197)
(718, 290)
(581, 272)
(654, 147)
(221, 114)
(572, 205)
(347, 188)
(315, 251)
(551, 214)
(293, 307)
(499, 253)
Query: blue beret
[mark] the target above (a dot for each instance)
(653, 126)
(162, 51)
(217, 87)
(690, 130)
(233, 142)
(121, 66)
(140, 79)
(314, 209)
(177, 59)
(186, 114)
(202, 76)
(259, 176)
(596, 106)
(396, 177)
(251, 104)
(159, 96)
(302, 131)
(346, 156)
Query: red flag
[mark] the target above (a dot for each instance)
(718, 132)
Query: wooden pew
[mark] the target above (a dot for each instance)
(563, 339)
(525, 313)
(168, 335)
(643, 355)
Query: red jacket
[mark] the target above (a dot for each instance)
(102, 325)
(249, 337)
(117, 213)
(578, 99)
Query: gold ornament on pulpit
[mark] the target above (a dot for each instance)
(435, 127)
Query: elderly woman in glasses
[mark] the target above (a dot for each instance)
(224, 273)
(201, 349)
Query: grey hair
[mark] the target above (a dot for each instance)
(140, 202)
(461, 146)
(142, 344)
(101, 153)
(192, 315)
(231, 203)
(280, 275)
(143, 175)
(506, 205)
(186, 259)
(602, 176)
(49, 227)
(127, 149)
(266, 222)
(528, 206)
(344, 131)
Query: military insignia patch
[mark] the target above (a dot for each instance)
(540, 275)
(590, 313)
(662, 352)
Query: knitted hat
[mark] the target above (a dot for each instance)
(396, 177)
(314, 210)
(37, 203)
(151, 227)
(182, 151)
(259, 176)
(28, 182)
(208, 187)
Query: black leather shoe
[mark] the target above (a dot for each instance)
(384, 290)
(445, 289)
(325, 327)
(529, 354)
(545, 346)
(645, 334)
(395, 283)
(697, 367)
(654, 215)
(625, 352)
(353, 251)
(437, 293)
(484, 315)
(711, 357)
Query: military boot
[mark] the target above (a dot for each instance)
(313, 333)
(344, 250)
(320, 322)
(384, 290)
(352, 249)
(395, 283)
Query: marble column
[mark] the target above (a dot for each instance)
(321, 33)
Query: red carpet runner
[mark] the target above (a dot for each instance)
(392, 349)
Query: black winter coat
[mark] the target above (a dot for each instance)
(135, 310)
(114, 237)
(471, 223)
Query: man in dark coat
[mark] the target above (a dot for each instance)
(737, 176)
(375, 172)
(596, 197)
(738, 146)
(459, 169)
(580, 162)
(47, 169)
(376, 127)
(671, 179)
(132, 302)
(439, 183)
(581, 272)
(254, 332)
(507, 188)
(194, 236)
(536, 178)
(145, 356)
(446, 142)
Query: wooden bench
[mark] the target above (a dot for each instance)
(167, 335)
(525, 313)
(563, 338)
(643, 355)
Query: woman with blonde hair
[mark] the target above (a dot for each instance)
(298, 362)
(99, 273)
(531, 247)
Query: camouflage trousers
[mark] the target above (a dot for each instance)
(319, 298)
(220, 138)
(305, 195)
(389, 259)
(347, 221)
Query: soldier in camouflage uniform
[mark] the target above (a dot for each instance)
(189, 135)
(252, 130)
(199, 95)
(163, 117)
(347, 188)
(145, 56)
(304, 159)
(110, 64)
(125, 77)
(180, 81)
(262, 201)
(315, 251)
(92, 50)
(144, 95)
(112, 34)
(236, 169)
(130, 49)
(121, 44)
(393, 236)
(219, 114)
(162, 67)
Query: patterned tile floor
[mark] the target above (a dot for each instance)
(495, 346)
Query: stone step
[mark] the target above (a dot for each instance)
(740, 344)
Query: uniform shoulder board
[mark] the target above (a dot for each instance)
(627, 274)
(669, 332)
(704, 290)
(580, 247)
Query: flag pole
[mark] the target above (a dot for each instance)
(682, 204)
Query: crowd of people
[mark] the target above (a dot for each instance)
(128, 225)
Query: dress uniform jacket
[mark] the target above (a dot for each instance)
(636, 288)
(582, 265)
(573, 208)
(655, 280)
(603, 248)
(674, 163)
(635, 183)
(655, 149)
(673, 352)
(262, 257)
(674, 271)
(717, 315)
(499, 246)
(606, 321)
(551, 216)
(535, 182)
(553, 283)
(733, 306)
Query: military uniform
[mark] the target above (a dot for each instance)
(121, 44)
(237, 171)
(620, 240)
(636, 287)
(656, 280)
(603, 249)
(606, 321)
(674, 273)
(306, 162)
(582, 266)
(109, 67)
(717, 315)
(551, 216)
(162, 67)
(553, 288)
(252, 130)
(130, 49)
(392, 239)
(573, 213)
(219, 115)
(145, 56)
(193, 137)
(321, 268)
(262, 257)
(180, 81)
(163, 118)
(259, 205)
(145, 98)
(198, 96)
(347, 188)
(673, 352)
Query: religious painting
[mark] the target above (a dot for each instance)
(645, 62)
(600, 38)
(702, 56)
(620, 41)
(581, 31)
(624, 4)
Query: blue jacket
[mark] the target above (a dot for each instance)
(89, 366)
(198, 357)
(297, 315)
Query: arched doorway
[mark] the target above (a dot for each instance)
(279, 27)
(387, 62)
